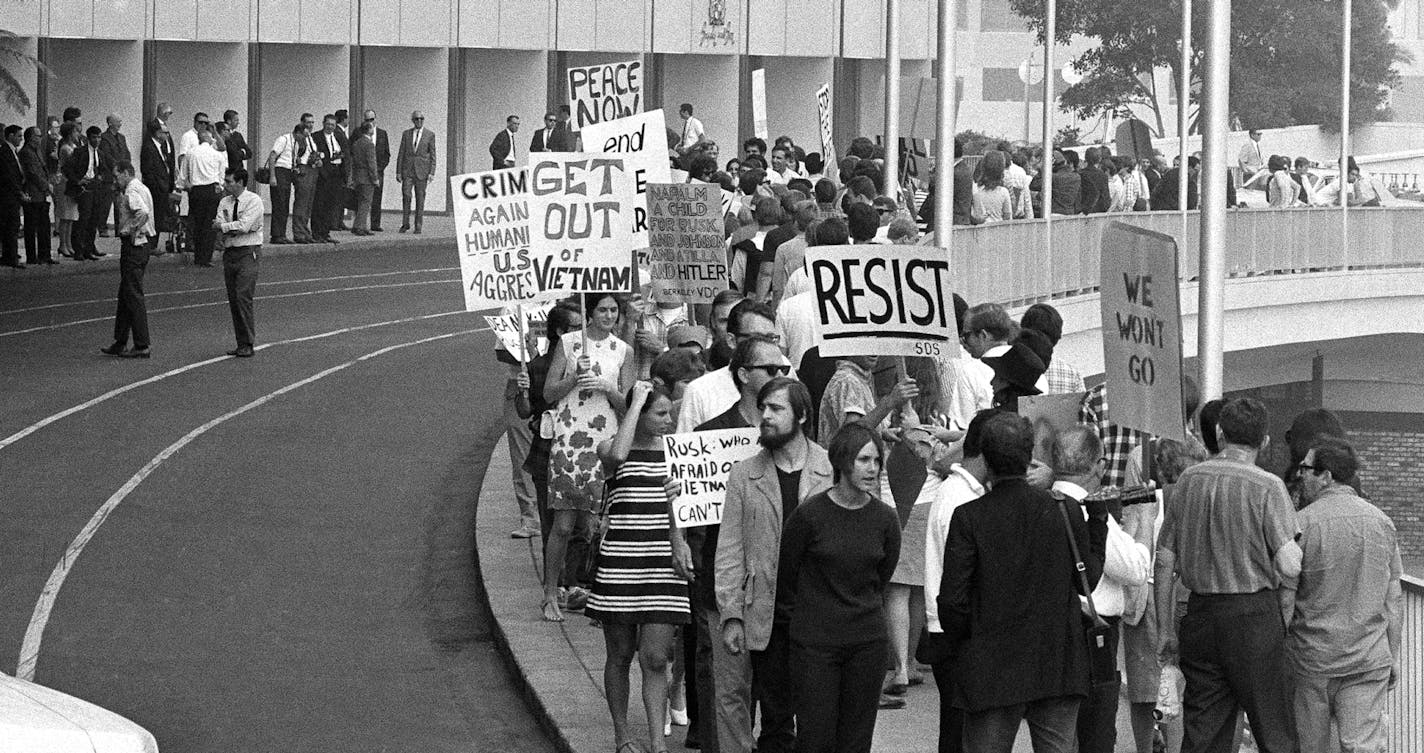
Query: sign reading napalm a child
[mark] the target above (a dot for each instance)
(642, 141)
(581, 208)
(605, 92)
(686, 251)
(883, 300)
(700, 462)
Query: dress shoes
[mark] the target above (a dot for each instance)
(378, 230)
(405, 228)
(15, 264)
(117, 349)
(97, 254)
(279, 242)
(362, 232)
(242, 352)
(417, 231)
(135, 353)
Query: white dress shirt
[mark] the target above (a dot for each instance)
(796, 322)
(707, 397)
(241, 219)
(1126, 563)
(204, 166)
(959, 487)
(284, 149)
(140, 199)
(692, 132)
(187, 142)
(968, 383)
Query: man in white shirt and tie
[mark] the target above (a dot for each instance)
(502, 149)
(1251, 159)
(137, 234)
(692, 131)
(201, 177)
(239, 220)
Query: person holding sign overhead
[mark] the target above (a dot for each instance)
(639, 595)
(588, 377)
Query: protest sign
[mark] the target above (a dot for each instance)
(828, 147)
(505, 327)
(1142, 330)
(605, 92)
(883, 300)
(686, 251)
(759, 125)
(642, 140)
(580, 208)
(492, 233)
(1050, 415)
(700, 462)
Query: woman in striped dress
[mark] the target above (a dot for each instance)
(638, 596)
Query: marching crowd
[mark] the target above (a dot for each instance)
(901, 518)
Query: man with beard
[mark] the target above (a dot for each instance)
(754, 364)
(762, 492)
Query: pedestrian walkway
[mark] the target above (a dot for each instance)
(437, 227)
(561, 664)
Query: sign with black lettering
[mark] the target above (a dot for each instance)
(700, 462)
(497, 266)
(1142, 330)
(828, 146)
(505, 327)
(605, 92)
(883, 300)
(581, 209)
(642, 141)
(686, 250)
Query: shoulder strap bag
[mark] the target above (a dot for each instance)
(1102, 654)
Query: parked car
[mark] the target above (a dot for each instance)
(37, 719)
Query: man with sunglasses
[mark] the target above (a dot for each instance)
(383, 159)
(415, 168)
(543, 140)
(715, 391)
(1345, 629)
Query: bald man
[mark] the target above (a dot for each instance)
(415, 168)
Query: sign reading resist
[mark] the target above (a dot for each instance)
(492, 225)
(581, 209)
(686, 250)
(1142, 330)
(883, 300)
(605, 92)
(642, 140)
(701, 461)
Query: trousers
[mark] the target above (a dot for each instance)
(774, 693)
(837, 695)
(951, 719)
(132, 314)
(304, 191)
(1051, 724)
(240, 265)
(732, 686)
(409, 186)
(706, 683)
(362, 219)
(37, 248)
(281, 189)
(202, 208)
(518, 435)
(1355, 703)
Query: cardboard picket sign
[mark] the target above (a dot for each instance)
(1142, 330)
(828, 146)
(580, 217)
(759, 122)
(505, 327)
(599, 93)
(686, 251)
(883, 300)
(701, 462)
(492, 229)
(642, 141)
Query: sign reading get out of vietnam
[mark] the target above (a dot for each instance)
(605, 92)
(883, 300)
(580, 215)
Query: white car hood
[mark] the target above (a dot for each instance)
(37, 719)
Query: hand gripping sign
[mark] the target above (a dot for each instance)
(883, 300)
(700, 462)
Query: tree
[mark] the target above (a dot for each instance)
(12, 58)
(1285, 55)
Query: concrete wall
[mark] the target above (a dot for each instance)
(791, 85)
(99, 77)
(399, 81)
(199, 76)
(709, 84)
(298, 79)
(500, 83)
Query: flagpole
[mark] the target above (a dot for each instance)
(1050, 31)
(1212, 290)
(1184, 93)
(944, 128)
(892, 100)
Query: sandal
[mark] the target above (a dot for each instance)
(552, 614)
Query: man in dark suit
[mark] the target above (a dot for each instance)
(502, 148)
(330, 182)
(363, 177)
(415, 168)
(1008, 602)
(157, 170)
(1093, 197)
(36, 198)
(237, 151)
(347, 196)
(117, 146)
(565, 140)
(1164, 196)
(12, 187)
(544, 138)
(382, 141)
(85, 174)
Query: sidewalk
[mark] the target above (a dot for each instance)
(437, 228)
(560, 665)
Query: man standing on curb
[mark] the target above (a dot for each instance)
(136, 232)
(240, 222)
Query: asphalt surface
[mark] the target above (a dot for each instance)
(274, 553)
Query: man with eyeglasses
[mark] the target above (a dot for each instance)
(715, 391)
(1345, 628)
(383, 158)
(1230, 534)
(415, 168)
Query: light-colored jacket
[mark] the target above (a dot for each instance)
(749, 543)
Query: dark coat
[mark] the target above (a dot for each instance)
(1164, 196)
(156, 168)
(36, 175)
(12, 178)
(78, 164)
(1008, 602)
(383, 150)
(1067, 189)
(1094, 197)
(237, 151)
(500, 148)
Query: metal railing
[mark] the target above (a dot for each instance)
(1406, 703)
(1006, 262)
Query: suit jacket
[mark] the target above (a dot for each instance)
(78, 164)
(383, 150)
(35, 174)
(749, 543)
(1164, 196)
(563, 139)
(237, 151)
(501, 147)
(363, 162)
(12, 177)
(1009, 600)
(542, 142)
(156, 168)
(323, 145)
(1094, 197)
(416, 162)
(117, 145)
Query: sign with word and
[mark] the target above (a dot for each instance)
(1142, 330)
(883, 300)
(505, 327)
(700, 462)
(828, 146)
(497, 265)
(605, 92)
(642, 140)
(686, 251)
(580, 218)
(759, 125)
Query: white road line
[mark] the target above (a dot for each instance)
(223, 302)
(39, 619)
(32, 428)
(265, 283)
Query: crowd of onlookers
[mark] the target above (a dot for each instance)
(901, 519)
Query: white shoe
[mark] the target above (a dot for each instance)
(678, 718)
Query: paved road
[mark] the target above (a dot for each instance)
(282, 553)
